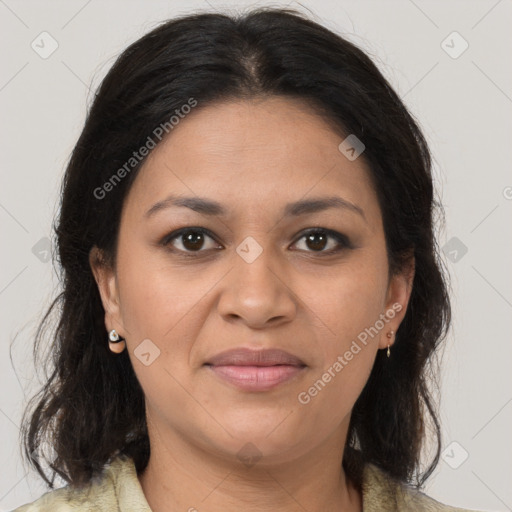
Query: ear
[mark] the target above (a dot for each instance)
(399, 293)
(106, 281)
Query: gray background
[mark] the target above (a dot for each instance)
(463, 102)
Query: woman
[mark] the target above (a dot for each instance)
(252, 297)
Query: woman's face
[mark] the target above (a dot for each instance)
(254, 279)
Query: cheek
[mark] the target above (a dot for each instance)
(147, 292)
(351, 297)
(146, 300)
(158, 300)
(328, 397)
(349, 305)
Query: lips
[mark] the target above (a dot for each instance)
(255, 370)
(248, 357)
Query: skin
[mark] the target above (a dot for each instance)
(253, 157)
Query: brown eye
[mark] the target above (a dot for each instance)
(324, 241)
(316, 241)
(193, 240)
(190, 240)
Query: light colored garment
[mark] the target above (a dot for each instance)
(118, 489)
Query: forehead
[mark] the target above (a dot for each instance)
(247, 154)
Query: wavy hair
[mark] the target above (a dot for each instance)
(91, 406)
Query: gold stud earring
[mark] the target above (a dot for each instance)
(116, 344)
(389, 335)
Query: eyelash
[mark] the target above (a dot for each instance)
(343, 241)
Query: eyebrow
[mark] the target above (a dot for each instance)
(209, 207)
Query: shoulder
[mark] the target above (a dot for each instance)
(95, 496)
(381, 493)
(117, 488)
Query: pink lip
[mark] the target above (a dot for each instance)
(247, 357)
(255, 370)
(256, 378)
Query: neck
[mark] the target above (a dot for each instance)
(182, 476)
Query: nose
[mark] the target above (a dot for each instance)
(258, 292)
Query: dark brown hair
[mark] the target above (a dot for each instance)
(91, 407)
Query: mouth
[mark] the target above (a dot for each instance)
(252, 370)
